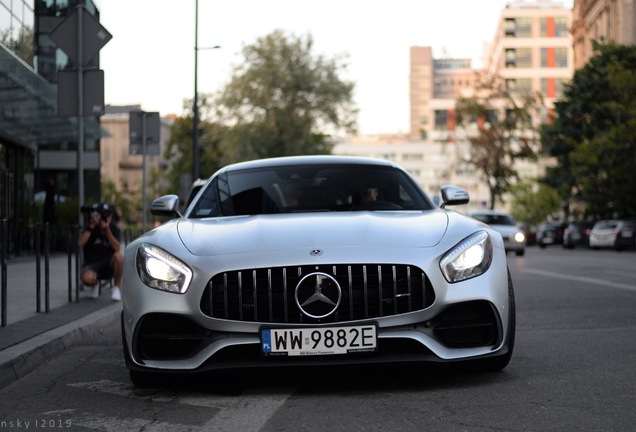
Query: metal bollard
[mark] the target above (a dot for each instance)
(38, 275)
(47, 273)
(4, 235)
(77, 263)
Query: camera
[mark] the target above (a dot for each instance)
(104, 210)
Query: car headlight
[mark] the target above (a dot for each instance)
(520, 237)
(469, 258)
(161, 270)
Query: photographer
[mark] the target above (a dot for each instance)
(103, 258)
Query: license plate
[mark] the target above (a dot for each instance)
(319, 340)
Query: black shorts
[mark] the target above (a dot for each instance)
(103, 268)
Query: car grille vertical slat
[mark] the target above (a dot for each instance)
(366, 292)
(380, 295)
(255, 295)
(408, 284)
(350, 281)
(395, 292)
(285, 297)
(225, 299)
(240, 294)
(267, 294)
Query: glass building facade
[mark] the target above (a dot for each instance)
(38, 148)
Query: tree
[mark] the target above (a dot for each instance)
(284, 100)
(179, 152)
(500, 128)
(126, 201)
(22, 45)
(593, 136)
(532, 202)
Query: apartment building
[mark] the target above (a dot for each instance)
(117, 163)
(601, 20)
(531, 51)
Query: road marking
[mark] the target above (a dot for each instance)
(580, 279)
(248, 411)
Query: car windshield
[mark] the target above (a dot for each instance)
(309, 188)
(495, 219)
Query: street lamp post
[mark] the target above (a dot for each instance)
(195, 104)
(195, 118)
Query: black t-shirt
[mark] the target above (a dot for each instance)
(97, 248)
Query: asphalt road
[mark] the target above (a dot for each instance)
(573, 369)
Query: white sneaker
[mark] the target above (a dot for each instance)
(115, 294)
(93, 292)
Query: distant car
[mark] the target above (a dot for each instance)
(314, 260)
(550, 234)
(617, 234)
(577, 234)
(513, 236)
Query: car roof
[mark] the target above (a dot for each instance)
(308, 160)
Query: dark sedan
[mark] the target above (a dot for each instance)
(577, 234)
(550, 234)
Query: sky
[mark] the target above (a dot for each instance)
(150, 59)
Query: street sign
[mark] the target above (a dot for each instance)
(137, 132)
(94, 36)
(93, 93)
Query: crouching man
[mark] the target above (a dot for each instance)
(103, 258)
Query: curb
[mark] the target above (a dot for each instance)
(22, 359)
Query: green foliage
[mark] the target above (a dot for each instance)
(126, 201)
(499, 126)
(22, 45)
(593, 136)
(532, 203)
(283, 100)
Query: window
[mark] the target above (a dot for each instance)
(554, 57)
(441, 120)
(552, 87)
(519, 85)
(554, 27)
(518, 27)
(518, 58)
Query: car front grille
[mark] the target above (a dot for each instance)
(268, 294)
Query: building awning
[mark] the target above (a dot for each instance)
(28, 109)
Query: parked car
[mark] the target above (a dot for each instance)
(282, 262)
(617, 234)
(550, 234)
(577, 234)
(513, 236)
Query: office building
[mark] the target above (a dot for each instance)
(38, 148)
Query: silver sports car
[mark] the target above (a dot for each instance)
(315, 260)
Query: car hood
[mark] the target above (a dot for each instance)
(239, 234)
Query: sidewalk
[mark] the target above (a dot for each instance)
(30, 338)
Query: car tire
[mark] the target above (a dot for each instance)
(521, 252)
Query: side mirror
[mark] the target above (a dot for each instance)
(167, 205)
(453, 195)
